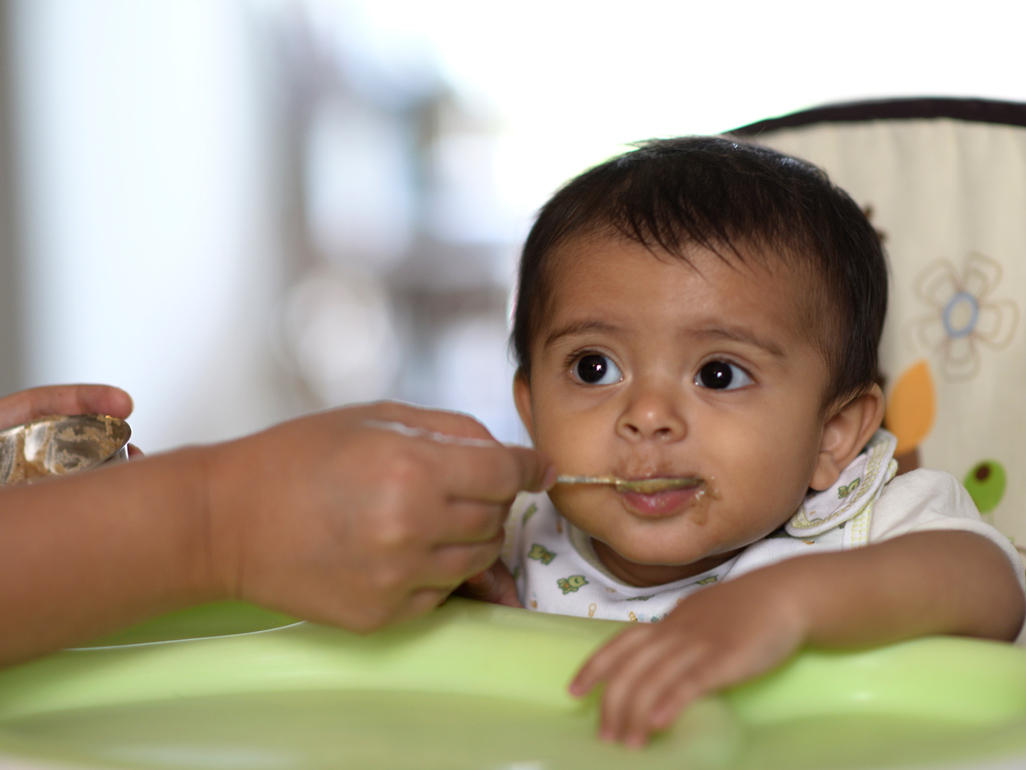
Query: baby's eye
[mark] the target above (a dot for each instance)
(596, 369)
(722, 375)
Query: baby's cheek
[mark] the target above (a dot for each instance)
(562, 498)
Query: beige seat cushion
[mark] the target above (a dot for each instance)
(944, 182)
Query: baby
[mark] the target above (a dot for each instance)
(698, 308)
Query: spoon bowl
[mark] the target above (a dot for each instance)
(60, 444)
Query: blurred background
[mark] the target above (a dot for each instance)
(244, 210)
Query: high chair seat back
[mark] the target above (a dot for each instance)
(944, 183)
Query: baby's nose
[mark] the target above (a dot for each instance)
(652, 417)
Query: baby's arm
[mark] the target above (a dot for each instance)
(933, 582)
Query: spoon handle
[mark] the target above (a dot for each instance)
(563, 479)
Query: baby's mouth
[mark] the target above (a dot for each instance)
(650, 485)
(656, 484)
(660, 497)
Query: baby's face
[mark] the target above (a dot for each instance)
(644, 367)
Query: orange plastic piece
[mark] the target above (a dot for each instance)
(911, 407)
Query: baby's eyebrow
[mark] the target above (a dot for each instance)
(580, 327)
(740, 334)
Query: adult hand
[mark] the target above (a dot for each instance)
(32, 403)
(362, 516)
(26, 405)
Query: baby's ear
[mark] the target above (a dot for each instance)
(845, 432)
(522, 398)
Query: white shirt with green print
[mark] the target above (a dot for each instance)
(556, 569)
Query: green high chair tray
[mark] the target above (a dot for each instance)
(481, 686)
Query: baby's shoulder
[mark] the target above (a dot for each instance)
(927, 489)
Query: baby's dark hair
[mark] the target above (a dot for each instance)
(742, 202)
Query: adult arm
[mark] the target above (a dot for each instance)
(932, 582)
(334, 517)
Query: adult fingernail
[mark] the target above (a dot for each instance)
(549, 480)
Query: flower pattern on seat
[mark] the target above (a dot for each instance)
(963, 314)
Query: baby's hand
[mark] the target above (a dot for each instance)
(494, 585)
(717, 637)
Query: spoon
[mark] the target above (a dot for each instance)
(641, 486)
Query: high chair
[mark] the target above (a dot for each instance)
(944, 183)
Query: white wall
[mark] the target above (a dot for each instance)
(147, 261)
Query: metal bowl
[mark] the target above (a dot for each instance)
(60, 444)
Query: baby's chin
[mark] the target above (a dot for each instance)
(661, 543)
(655, 563)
